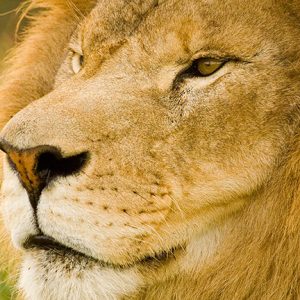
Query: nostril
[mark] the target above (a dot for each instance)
(51, 164)
(37, 166)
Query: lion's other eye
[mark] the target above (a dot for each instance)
(76, 62)
(208, 66)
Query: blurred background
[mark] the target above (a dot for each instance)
(8, 21)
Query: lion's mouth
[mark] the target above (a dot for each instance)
(44, 242)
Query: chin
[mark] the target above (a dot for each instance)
(50, 274)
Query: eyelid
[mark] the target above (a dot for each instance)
(214, 54)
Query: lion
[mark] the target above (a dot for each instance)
(152, 150)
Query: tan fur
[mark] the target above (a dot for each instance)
(210, 166)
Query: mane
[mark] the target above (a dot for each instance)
(29, 76)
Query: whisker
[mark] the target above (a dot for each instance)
(160, 238)
(178, 207)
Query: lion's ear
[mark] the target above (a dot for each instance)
(33, 64)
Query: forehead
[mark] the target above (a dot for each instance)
(237, 26)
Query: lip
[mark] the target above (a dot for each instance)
(47, 243)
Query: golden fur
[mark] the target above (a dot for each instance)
(209, 167)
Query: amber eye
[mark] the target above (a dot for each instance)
(202, 67)
(76, 62)
(208, 66)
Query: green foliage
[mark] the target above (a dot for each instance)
(5, 288)
(8, 20)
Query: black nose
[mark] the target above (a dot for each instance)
(38, 166)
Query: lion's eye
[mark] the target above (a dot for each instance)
(76, 62)
(208, 66)
(202, 67)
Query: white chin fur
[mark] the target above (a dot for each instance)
(42, 280)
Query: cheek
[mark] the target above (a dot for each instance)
(232, 164)
(220, 155)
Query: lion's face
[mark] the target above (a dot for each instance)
(175, 116)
